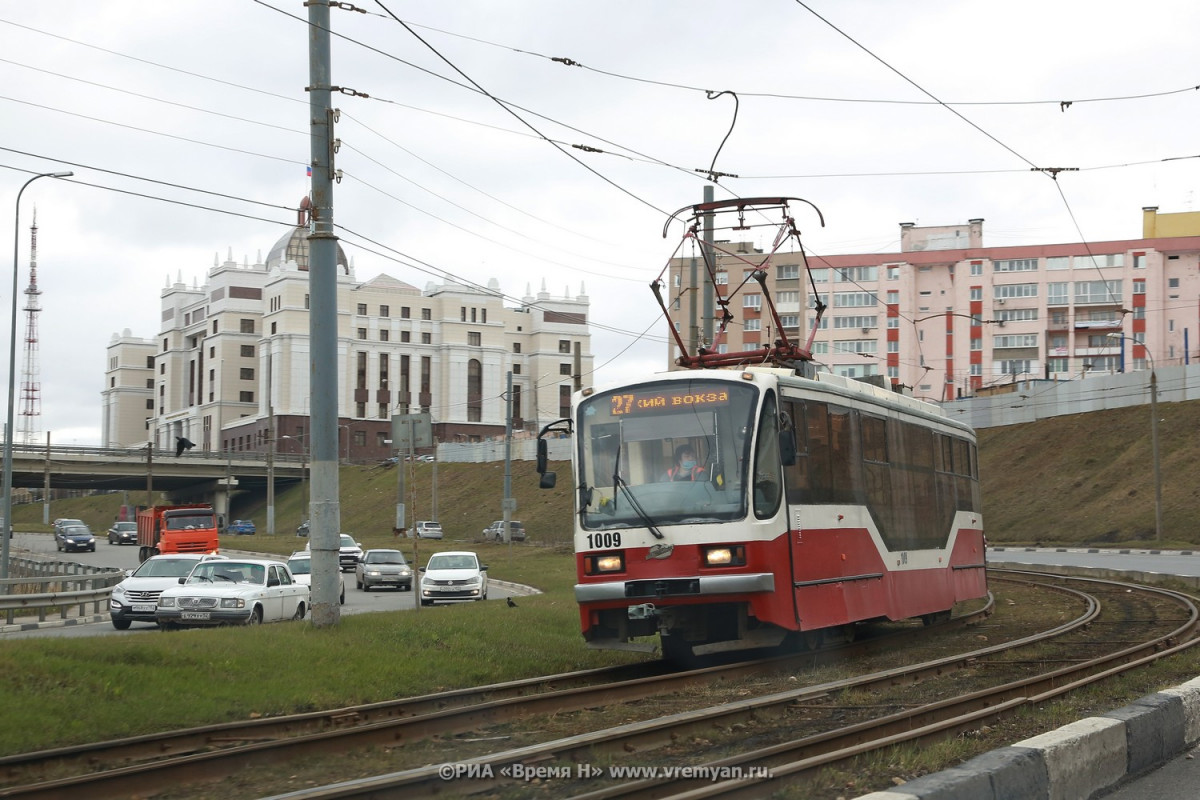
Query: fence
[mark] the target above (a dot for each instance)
(55, 578)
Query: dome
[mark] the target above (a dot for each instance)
(293, 246)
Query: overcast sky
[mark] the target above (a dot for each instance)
(186, 124)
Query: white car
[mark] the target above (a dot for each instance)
(453, 575)
(349, 551)
(136, 598)
(301, 566)
(246, 591)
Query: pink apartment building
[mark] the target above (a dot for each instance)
(948, 317)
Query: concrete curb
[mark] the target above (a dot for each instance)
(1077, 760)
(1081, 758)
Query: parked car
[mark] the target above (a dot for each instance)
(516, 530)
(302, 528)
(241, 527)
(349, 551)
(122, 533)
(301, 566)
(233, 592)
(135, 598)
(453, 575)
(428, 529)
(383, 568)
(74, 537)
(63, 522)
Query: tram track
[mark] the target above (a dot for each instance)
(796, 758)
(205, 754)
(138, 764)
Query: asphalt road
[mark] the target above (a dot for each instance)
(126, 557)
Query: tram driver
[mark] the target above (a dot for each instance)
(686, 467)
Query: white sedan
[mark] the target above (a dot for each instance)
(453, 575)
(233, 592)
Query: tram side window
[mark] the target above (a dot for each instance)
(768, 477)
(796, 474)
(877, 471)
(844, 462)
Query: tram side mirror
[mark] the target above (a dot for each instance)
(787, 448)
(548, 480)
(541, 456)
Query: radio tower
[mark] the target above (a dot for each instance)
(31, 387)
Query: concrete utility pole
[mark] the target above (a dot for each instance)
(322, 327)
(506, 504)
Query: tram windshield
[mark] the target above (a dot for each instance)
(665, 453)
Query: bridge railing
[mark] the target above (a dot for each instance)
(66, 588)
(32, 451)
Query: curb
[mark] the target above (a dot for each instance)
(53, 623)
(1079, 759)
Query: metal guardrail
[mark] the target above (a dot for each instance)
(135, 454)
(56, 577)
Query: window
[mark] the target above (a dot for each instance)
(1097, 292)
(976, 344)
(405, 312)
(564, 369)
(856, 274)
(1094, 262)
(752, 325)
(976, 267)
(405, 336)
(787, 299)
(1015, 265)
(1014, 367)
(1017, 314)
(362, 333)
(1172, 283)
(856, 322)
(854, 299)
(247, 351)
(246, 397)
(426, 313)
(1139, 260)
(246, 373)
(1139, 287)
(474, 338)
(384, 335)
(474, 390)
(564, 345)
(362, 309)
(893, 273)
(788, 272)
(1058, 365)
(820, 275)
(516, 370)
(857, 346)
(789, 320)
(150, 382)
(564, 400)
(1057, 262)
(516, 347)
(1011, 290)
(976, 292)
(150, 404)
(162, 368)
(752, 301)
(385, 311)
(1015, 340)
(426, 338)
(1056, 294)
(246, 325)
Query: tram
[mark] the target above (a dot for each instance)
(735, 508)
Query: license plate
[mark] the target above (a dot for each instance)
(193, 615)
(143, 607)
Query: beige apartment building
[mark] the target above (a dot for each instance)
(947, 317)
(233, 355)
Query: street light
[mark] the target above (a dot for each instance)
(12, 378)
(1153, 435)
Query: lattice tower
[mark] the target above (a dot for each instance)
(31, 387)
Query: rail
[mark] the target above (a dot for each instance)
(31, 451)
(40, 573)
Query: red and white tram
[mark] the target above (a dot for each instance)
(816, 503)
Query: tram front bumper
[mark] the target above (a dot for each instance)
(658, 588)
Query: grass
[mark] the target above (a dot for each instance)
(1069, 480)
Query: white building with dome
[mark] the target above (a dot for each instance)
(234, 352)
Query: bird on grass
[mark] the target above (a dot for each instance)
(511, 604)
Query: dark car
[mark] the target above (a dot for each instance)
(122, 533)
(302, 528)
(74, 537)
(241, 527)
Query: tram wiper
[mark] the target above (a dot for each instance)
(620, 485)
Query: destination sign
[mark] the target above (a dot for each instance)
(629, 403)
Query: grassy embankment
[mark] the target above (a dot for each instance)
(1073, 480)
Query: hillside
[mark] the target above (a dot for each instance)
(1082, 479)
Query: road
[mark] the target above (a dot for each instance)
(126, 557)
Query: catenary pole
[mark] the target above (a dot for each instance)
(322, 321)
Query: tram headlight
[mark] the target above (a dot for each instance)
(731, 555)
(603, 562)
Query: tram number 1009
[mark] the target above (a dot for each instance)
(602, 541)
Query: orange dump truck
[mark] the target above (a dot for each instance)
(176, 529)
